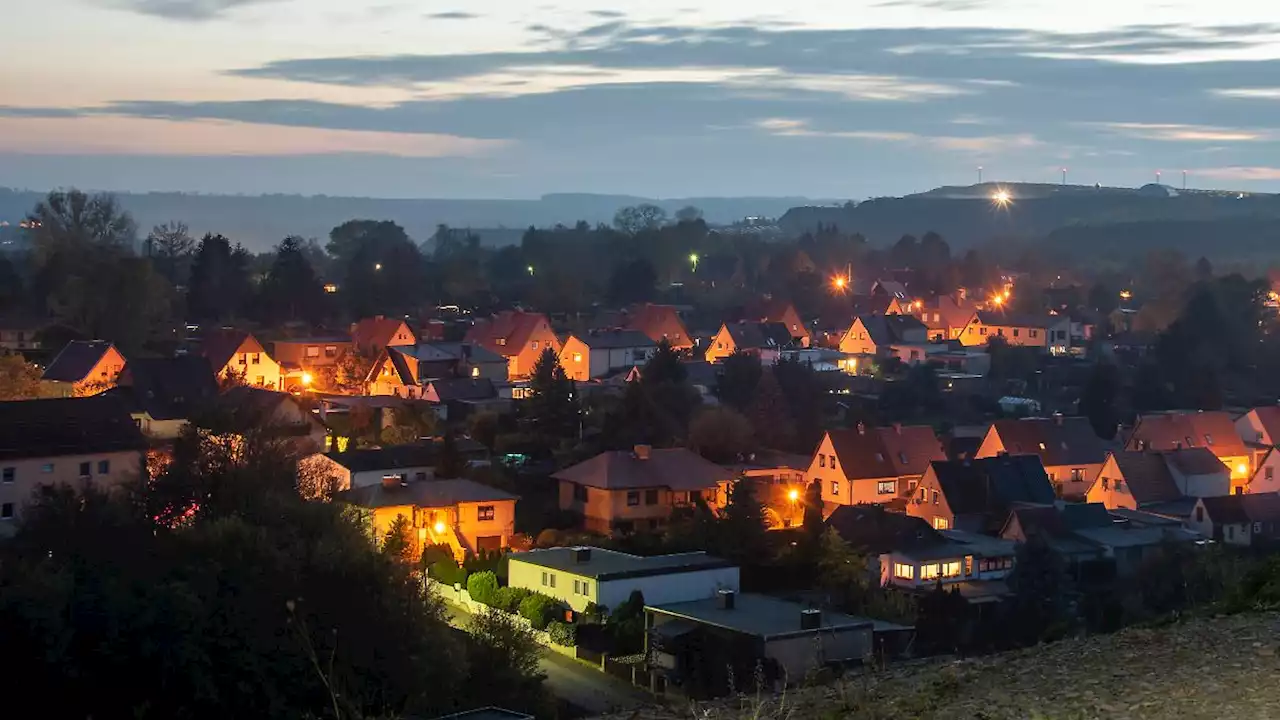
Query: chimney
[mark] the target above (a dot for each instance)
(642, 452)
(1058, 419)
(725, 599)
(390, 481)
(897, 428)
(862, 429)
(810, 619)
(581, 555)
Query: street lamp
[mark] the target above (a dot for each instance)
(377, 266)
(839, 282)
(793, 495)
(307, 379)
(530, 269)
(693, 259)
(1001, 198)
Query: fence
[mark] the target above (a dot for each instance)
(460, 597)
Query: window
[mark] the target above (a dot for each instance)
(1231, 532)
(500, 342)
(544, 578)
(84, 469)
(1119, 485)
(929, 572)
(904, 571)
(577, 357)
(104, 467)
(484, 512)
(822, 460)
(553, 580)
(46, 468)
(1269, 473)
(1000, 332)
(260, 381)
(835, 487)
(968, 564)
(935, 497)
(633, 498)
(257, 359)
(9, 474)
(650, 497)
(886, 487)
(941, 523)
(581, 587)
(1199, 514)
(534, 344)
(330, 351)
(1257, 527)
(1035, 333)
(312, 351)
(1016, 332)
(951, 569)
(1105, 485)
(475, 372)
(580, 493)
(1077, 474)
(6, 511)
(831, 460)
(419, 477)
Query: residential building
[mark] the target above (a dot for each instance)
(1244, 520)
(521, 337)
(975, 565)
(373, 335)
(405, 371)
(873, 465)
(246, 410)
(874, 529)
(595, 354)
(781, 484)
(702, 646)
(83, 367)
(163, 394)
(766, 341)
(1015, 330)
(1059, 526)
(374, 466)
(465, 515)
(1215, 431)
(456, 398)
(68, 441)
(19, 334)
(236, 353)
(301, 358)
(1142, 480)
(977, 495)
(628, 491)
(1069, 449)
(1266, 478)
(1261, 426)
(901, 336)
(580, 576)
(659, 322)
(946, 316)
(777, 310)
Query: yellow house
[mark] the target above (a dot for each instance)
(236, 353)
(1140, 480)
(763, 339)
(873, 465)
(1214, 431)
(1015, 330)
(83, 368)
(878, 334)
(1072, 454)
(465, 515)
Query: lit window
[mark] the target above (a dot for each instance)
(475, 372)
(1077, 475)
(929, 572)
(484, 512)
(904, 571)
(951, 569)
(886, 487)
(941, 523)
(577, 357)
(312, 351)
(835, 487)
(822, 460)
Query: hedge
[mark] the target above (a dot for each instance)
(509, 598)
(539, 610)
(447, 572)
(483, 587)
(563, 633)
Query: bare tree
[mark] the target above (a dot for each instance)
(169, 245)
(73, 222)
(637, 218)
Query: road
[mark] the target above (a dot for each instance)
(573, 681)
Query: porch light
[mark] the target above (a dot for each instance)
(439, 528)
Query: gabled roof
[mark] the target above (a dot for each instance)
(1269, 418)
(675, 468)
(895, 451)
(76, 360)
(1055, 521)
(423, 494)
(1242, 509)
(993, 484)
(507, 333)
(874, 530)
(458, 389)
(759, 336)
(1148, 477)
(1003, 319)
(890, 329)
(397, 457)
(168, 388)
(250, 408)
(1196, 461)
(471, 352)
(375, 331)
(221, 344)
(649, 319)
(67, 426)
(1058, 440)
(615, 339)
(1168, 431)
(953, 313)
(891, 288)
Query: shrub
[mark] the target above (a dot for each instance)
(509, 598)
(483, 587)
(562, 633)
(447, 572)
(539, 609)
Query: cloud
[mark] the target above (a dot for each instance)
(119, 135)
(790, 127)
(453, 15)
(1258, 93)
(188, 10)
(1168, 132)
(1251, 174)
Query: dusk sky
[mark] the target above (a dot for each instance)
(667, 98)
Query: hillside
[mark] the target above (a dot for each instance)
(1200, 670)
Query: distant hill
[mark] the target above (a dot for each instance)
(968, 216)
(262, 221)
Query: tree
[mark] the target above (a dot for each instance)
(382, 270)
(1098, 400)
(1204, 269)
(449, 462)
(220, 288)
(410, 423)
(805, 396)
(664, 366)
(905, 253)
(398, 543)
(551, 406)
(688, 213)
(348, 374)
(632, 281)
(19, 379)
(72, 224)
(169, 246)
(842, 573)
(1038, 608)
(769, 415)
(638, 218)
(291, 290)
(737, 379)
(940, 622)
(744, 526)
(813, 510)
(508, 658)
(720, 434)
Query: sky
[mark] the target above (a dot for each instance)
(662, 98)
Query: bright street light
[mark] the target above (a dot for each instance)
(377, 266)
(307, 379)
(1001, 198)
(530, 268)
(693, 258)
(794, 495)
(839, 282)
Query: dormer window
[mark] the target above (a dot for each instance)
(500, 341)
(1190, 442)
(1208, 439)
(534, 344)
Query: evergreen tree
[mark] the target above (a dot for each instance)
(743, 526)
(219, 287)
(941, 620)
(842, 573)
(737, 379)
(664, 366)
(291, 290)
(1039, 608)
(449, 462)
(1098, 400)
(769, 415)
(813, 522)
(551, 408)
(398, 542)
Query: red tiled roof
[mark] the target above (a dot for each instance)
(886, 452)
(675, 468)
(375, 331)
(220, 345)
(1167, 431)
(1058, 441)
(650, 319)
(512, 327)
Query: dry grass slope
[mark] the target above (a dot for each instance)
(1203, 669)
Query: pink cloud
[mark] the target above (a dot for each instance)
(1253, 174)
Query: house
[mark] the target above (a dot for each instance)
(373, 335)
(300, 358)
(406, 371)
(946, 316)
(764, 340)
(1261, 425)
(976, 565)
(901, 336)
(456, 398)
(373, 466)
(776, 310)
(236, 353)
(890, 289)
(163, 394)
(628, 491)
(780, 484)
(977, 495)
(596, 354)
(1245, 520)
(701, 646)
(1266, 478)
(581, 576)
(1215, 431)
(1142, 480)
(245, 410)
(65, 441)
(873, 465)
(874, 530)
(1059, 526)
(17, 334)
(1072, 454)
(1015, 330)
(465, 515)
(83, 367)
(659, 322)
(519, 336)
